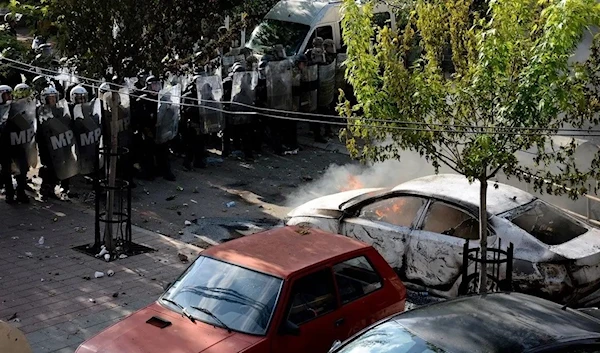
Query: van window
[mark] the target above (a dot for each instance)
(272, 32)
(325, 32)
(382, 19)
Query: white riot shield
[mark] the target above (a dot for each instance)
(227, 62)
(310, 83)
(57, 141)
(340, 71)
(326, 84)
(279, 85)
(167, 119)
(87, 127)
(210, 95)
(243, 92)
(21, 128)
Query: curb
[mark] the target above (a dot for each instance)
(333, 147)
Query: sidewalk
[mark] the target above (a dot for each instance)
(46, 286)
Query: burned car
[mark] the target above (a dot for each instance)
(420, 227)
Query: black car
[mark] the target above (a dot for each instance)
(499, 322)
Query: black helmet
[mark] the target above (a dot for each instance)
(300, 58)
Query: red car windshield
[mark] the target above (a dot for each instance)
(242, 299)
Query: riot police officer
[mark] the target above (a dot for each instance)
(154, 157)
(10, 23)
(78, 95)
(49, 98)
(238, 129)
(5, 155)
(193, 138)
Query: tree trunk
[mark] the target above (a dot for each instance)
(483, 222)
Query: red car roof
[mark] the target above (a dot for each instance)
(284, 251)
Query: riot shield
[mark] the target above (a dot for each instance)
(340, 71)
(4, 110)
(167, 119)
(244, 92)
(123, 123)
(227, 62)
(56, 141)
(20, 129)
(210, 94)
(310, 83)
(279, 85)
(87, 127)
(326, 84)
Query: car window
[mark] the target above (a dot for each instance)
(448, 220)
(399, 211)
(325, 32)
(312, 296)
(356, 278)
(548, 224)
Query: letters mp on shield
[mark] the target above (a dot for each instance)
(21, 128)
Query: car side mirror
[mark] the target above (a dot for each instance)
(335, 345)
(289, 329)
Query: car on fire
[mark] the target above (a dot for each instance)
(494, 323)
(284, 290)
(420, 228)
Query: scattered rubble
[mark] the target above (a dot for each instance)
(122, 256)
(187, 223)
(179, 188)
(28, 254)
(115, 295)
(91, 300)
(107, 257)
(99, 274)
(171, 198)
(193, 201)
(110, 273)
(41, 241)
(230, 204)
(183, 258)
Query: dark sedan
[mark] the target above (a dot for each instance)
(500, 322)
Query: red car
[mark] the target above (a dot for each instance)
(285, 290)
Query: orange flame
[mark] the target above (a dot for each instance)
(352, 184)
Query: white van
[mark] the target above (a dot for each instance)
(294, 24)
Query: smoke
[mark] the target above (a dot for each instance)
(386, 174)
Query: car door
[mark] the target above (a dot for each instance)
(362, 297)
(386, 224)
(311, 310)
(434, 252)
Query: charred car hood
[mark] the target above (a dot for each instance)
(328, 206)
(135, 335)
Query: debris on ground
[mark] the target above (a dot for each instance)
(171, 198)
(116, 294)
(179, 212)
(230, 204)
(87, 278)
(185, 205)
(179, 188)
(92, 300)
(28, 254)
(122, 256)
(182, 257)
(193, 201)
(196, 190)
(41, 241)
(42, 280)
(102, 252)
(188, 223)
(110, 273)
(15, 238)
(107, 257)
(99, 274)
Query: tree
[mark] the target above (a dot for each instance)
(128, 36)
(513, 87)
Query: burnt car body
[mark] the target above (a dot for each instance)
(496, 323)
(284, 290)
(420, 227)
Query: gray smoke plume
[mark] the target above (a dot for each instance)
(387, 174)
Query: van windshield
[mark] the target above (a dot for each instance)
(272, 32)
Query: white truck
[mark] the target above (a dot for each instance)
(294, 24)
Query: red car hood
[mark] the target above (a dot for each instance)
(135, 335)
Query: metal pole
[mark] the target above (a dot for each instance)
(112, 173)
